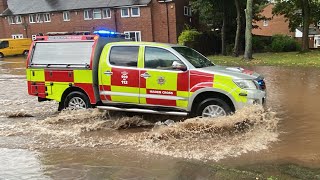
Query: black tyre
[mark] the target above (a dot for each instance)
(26, 52)
(1, 55)
(74, 101)
(213, 107)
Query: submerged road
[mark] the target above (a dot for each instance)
(37, 142)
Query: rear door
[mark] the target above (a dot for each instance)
(119, 74)
(160, 83)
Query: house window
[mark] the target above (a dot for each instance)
(18, 19)
(265, 22)
(66, 16)
(106, 13)
(11, 20)
(87, 14)
(32, 18)
(187, 11)
(125, 12)
(39, 18)
(133, 35)
(97, 14)
(17, 36)
(135, 12)
(47, 17)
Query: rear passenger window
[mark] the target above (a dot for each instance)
(124, 56)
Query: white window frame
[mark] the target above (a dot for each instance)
(86, 14)
(18, 19)
(39, 18)
(46, 17)
(66, 15)
(135, 33)
(106, 15)
(17, 36)
(32, 18)
(187, 11)
(132, 15)
(11, 20)
(96, 12)
(125, 16)
(265, 23)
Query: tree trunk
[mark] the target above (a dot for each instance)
(238, 32)
(306, 24)
(248, 48)
(223, 30)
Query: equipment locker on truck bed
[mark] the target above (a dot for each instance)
(113, 74)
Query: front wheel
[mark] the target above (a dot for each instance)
(75, 101)
(213, 107)
(1, 55)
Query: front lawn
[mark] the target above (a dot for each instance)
(309, 59)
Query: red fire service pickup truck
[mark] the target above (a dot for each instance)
(113, 74)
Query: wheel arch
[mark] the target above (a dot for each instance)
(205, 93)
(72, 89)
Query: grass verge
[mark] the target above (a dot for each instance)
(287, 59)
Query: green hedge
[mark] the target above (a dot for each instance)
(261, 43)
(190, 38)
(283, 43)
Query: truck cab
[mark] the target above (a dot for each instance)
(113, 74)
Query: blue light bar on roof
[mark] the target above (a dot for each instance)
(104, 32)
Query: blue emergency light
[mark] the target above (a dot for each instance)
(104, 32)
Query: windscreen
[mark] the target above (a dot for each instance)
(55, 53)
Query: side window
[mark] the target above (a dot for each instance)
(157, 58)
(124, 56)
(4, 44)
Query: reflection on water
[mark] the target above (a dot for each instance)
(92, 145)
(13, 65)
(20, 164)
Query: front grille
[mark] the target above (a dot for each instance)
(262, 84)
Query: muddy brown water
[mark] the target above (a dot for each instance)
(282, 142)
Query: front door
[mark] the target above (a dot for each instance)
(119, 75)
(162, 83)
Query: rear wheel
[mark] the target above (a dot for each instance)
(212, 108)
(26, 52)
(1, 55)
(75, 101)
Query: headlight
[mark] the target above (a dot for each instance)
(245, 84)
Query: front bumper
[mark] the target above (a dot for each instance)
(253, 97)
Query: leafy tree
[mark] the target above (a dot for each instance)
(214, 13)
(227, 16)
(299, 12)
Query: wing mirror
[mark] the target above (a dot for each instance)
(179, 66)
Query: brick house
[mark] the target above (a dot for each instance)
(141, 20)
(276, 25)
(279, 25)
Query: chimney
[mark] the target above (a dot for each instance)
(3, 5)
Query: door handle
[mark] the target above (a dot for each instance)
(145, 75)
(108, 73)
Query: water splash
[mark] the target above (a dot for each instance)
(250, 129)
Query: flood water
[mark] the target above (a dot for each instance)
(282, 142)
